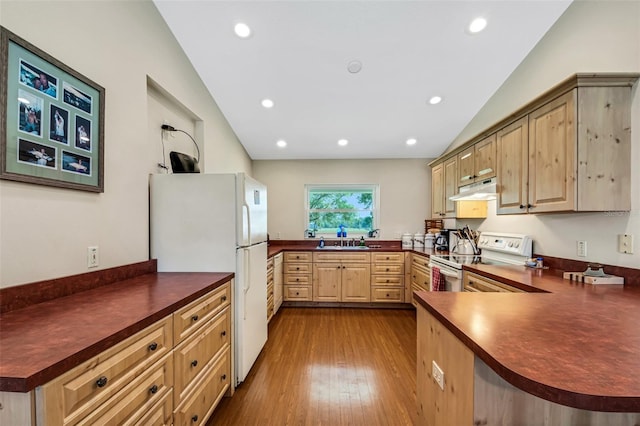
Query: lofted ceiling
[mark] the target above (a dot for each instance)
(299, 54)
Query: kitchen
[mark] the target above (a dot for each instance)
(117, 220)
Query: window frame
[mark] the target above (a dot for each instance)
(341, 187)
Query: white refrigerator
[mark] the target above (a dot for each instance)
(217, 223)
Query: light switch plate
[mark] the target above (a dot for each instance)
(581, 249)
(625, 243)
(438, 375)
(92, 257)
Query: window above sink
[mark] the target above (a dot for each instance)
(355, 207)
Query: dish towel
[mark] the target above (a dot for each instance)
(437, 281)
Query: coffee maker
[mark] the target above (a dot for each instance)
(442, 240)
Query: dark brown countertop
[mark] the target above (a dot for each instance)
(41, 341)
(577, 344)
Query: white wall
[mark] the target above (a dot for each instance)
(591, 36)
(44, 231)
(404, 191)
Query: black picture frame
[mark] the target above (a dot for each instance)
(67, 153)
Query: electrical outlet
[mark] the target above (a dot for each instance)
(438, 374)
(625, 243)
(92, 257)
(581, 248)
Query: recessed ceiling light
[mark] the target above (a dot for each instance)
(267, 103)
(477, 25)
(411, 141)
(435, 100)
(343, 142)
(242, 30)
(281, 143)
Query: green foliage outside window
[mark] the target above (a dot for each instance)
(328, 209)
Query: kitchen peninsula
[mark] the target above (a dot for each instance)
(568, 351)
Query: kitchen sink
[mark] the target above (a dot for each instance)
(342, 248)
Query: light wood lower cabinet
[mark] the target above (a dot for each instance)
(278, 281)
(297, 273)
(270, 289)
(169, 373)
(387, 277)
(479, 284)
(341, 277)
(420, 275)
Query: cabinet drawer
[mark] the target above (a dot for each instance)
(71, 396)
(387, 257)
(387, 281)
(421, 278)
(209, 390)
(197, 313)
(344, 257)
(270, 263)
(290, 279)
(136, 399)
(297, 268)
(382, 294)
(297, 256)
(297, 293)
(388, 269)
(161, 414)
(477, 283)
(420, 261)
(194, 354)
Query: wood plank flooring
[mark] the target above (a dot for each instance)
(330, 366)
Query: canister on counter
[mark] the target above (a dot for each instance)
(428, 240)
(407, 241)
(418, 241)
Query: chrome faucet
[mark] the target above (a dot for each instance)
(374, 233)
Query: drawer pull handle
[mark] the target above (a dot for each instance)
(297, 279)
(224, 298)
(223, 377)
(194, 418)
(297, 293)
(194, 318)
(297, 269)
(387, 269)
(101, 382)
(153, 389)
(387, 257)
(224, 333)
(153, 346)
(387, 280)
(194, 363)
(387, 294)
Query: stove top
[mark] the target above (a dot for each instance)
(498, 248)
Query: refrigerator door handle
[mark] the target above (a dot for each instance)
(247, 281)
(246, 218)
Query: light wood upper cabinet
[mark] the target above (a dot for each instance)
(478, 162)
(567, 150)
(513, 167)
(450, 186)
(570, 154)
(552, 146)
(444, 184)
(437, 191)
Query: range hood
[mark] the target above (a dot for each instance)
(479, 191)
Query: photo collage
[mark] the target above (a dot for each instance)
(54, 122)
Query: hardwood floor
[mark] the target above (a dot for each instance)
(330, 366)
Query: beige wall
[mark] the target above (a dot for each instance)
(45, 232)
(602, 36)
(404, 194)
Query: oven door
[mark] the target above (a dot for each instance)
(452, 277)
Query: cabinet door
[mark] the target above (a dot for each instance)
(466, 171)
(326, 282)
(485, 158)
(552, 154)
(437, 191)
(513, 167)
(356, 282)
(450, 186)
